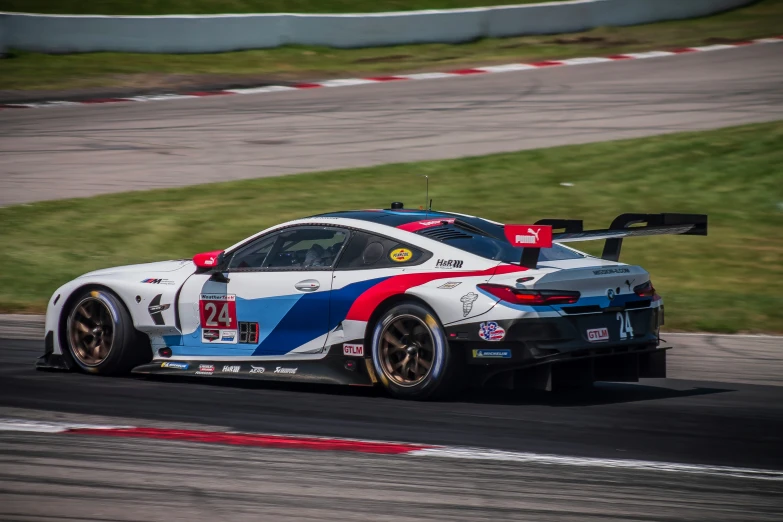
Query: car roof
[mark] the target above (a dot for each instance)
(397, 217)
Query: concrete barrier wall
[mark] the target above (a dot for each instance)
(220, 33)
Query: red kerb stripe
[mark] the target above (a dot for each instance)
(307, 85)
(683, 50)
(620, 57)
(249, 439)
(467, 71)
(546, 63)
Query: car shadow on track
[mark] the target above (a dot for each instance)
(598, 394)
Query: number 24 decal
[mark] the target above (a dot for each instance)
(626, 330)
(223, 318)
(218, 311)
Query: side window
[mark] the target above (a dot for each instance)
(366, 251)
(306, 247)
(294, 248)
(253, 255)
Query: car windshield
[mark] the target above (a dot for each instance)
(472, 239)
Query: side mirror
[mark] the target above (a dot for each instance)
(209, 259)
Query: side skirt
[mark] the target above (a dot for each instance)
(335, 368)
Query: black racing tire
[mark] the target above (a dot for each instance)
(99, 334)
(425, 341)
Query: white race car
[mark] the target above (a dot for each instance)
(422, 302)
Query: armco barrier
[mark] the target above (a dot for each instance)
(219, 33)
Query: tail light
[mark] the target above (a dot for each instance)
(645, 289)
(531, 297)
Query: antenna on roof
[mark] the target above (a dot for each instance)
(427, 195)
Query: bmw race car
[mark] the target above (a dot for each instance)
(418, 301)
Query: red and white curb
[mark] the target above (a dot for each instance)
(304, 442)
(511, 67)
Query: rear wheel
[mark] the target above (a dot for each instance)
(100, 335)
(411, 354)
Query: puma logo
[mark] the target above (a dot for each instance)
(528, 239)
(534, 232)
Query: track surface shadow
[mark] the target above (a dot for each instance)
(600, 393)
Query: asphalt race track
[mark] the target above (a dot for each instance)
(86, 150)
(48, 476)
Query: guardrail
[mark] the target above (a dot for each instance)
(220, 33)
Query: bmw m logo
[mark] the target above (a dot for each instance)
(610, 294)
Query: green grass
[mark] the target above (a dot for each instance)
(26, 71)
(731, 280)
(160, 7)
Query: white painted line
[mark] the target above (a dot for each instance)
(161, 97)
(258, 90)
(650, 54)
(768, 40)
(636, 465)
(47, 427)
(716, 47)
(509, 67)
(585, 61)
(346, 82)
(427, 76)
(51, 103)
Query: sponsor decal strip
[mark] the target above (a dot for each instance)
(383, 79)
(380, 447)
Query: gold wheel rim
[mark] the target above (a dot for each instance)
(91, 331)
(407, 350)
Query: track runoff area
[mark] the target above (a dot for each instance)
(352, 82)
(302, 442)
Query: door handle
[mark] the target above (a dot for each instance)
(308, 285)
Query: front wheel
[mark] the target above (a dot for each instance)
(100, 335)
(411, 355)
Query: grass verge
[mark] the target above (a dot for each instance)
(164, 7)
(729, 281)
(31, 71)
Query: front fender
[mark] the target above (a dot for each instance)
(150, 298)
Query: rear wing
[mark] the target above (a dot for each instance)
(621, 227)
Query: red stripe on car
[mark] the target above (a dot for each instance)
(366, 303)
